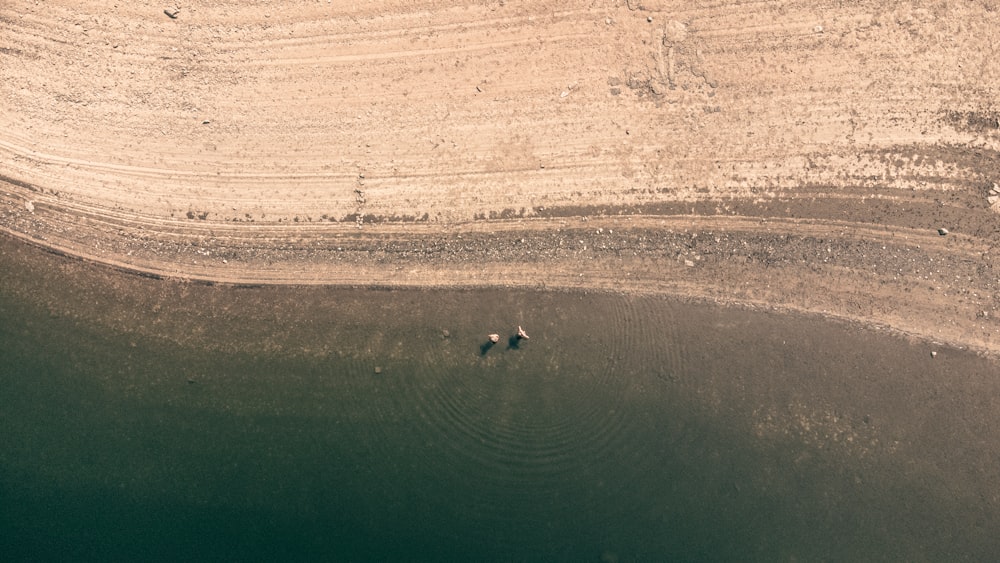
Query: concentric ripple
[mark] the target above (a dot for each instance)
(525, 424)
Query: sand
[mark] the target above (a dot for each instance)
(787, 155)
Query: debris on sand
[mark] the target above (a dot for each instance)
(172, 13)
(933, 354)
(30, 206)
(942, 231)
(378, 370)
(494, 338)
(521, 333)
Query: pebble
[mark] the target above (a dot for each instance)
(942, 231)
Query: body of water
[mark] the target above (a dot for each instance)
(146, 419)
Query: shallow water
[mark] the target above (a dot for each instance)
(143, 419)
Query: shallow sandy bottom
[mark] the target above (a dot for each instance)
(779, 154)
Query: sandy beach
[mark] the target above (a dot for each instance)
(840, 158)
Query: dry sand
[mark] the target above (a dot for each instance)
(784, 154)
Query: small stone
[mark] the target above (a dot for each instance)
(993, 199)
(689, 263)
(445, 333)
(649, 19)
(378, 370)
(933, 354)
(30, 206)
(942, 231)
(494, 338)
(818, 29)
(607, 21)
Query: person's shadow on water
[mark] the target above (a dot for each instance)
(513, 343)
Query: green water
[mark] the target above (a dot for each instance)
(148, 420)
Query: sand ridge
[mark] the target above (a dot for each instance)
(594, 145)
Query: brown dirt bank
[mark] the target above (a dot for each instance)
(782, 154)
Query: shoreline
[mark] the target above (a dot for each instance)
(805, 267)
